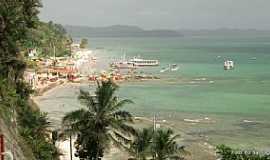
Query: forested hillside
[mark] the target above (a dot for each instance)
(45, 37)
(25, 129)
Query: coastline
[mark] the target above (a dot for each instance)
(34, 103)
(42, 90)
(199, 148)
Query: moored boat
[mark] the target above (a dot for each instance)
(123, 65)
(228, 65)
(144, 62)
(174, 67)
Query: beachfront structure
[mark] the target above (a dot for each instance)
(133, 63)
(143, 62)
(75, 47)
(123, 65)
(31, 78)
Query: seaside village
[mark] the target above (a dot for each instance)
(56, 70)
(80, 67)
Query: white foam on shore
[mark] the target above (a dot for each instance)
(192, 120)
(200, 79)
(248, 121)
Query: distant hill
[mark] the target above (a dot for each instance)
(118, 31)
(134, 31)
(225, 32)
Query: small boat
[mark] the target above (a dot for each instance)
(228, 65)
(143, 62)
(174, 67)
(123, 65)
(164, 70)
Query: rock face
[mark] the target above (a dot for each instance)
(13, 144)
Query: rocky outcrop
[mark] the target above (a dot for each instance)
(13, 143)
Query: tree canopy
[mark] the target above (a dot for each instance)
(101, 123)
(227, 153)
(84, 43)
(17, 18)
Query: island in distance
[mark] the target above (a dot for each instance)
(119, 31)
(135, 31)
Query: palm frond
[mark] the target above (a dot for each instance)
(73, 116)
(88, 100)
(102, 121)
(123, 115)
(122, 127)
(117, 105)
(121, 138)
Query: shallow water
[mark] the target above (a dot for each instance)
(236, 103)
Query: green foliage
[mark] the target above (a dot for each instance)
(47, 37)
(84, 43)
(227, 153)
(100, 123)
(164, 145)
(17, 19)
(8, 99)
(34, 128)
(31, 64)
(140, 147)
(158, 145)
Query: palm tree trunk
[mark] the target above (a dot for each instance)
(70, 147)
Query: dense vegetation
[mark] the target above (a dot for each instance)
(227, 153)
(49, 38)
(17, 19)
(102, 124)
(157, 144)
(83, 43)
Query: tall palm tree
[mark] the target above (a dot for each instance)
(164, 145)
(101, 122)
(140, 146)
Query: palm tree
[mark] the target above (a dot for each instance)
(100, 123)
(140, 146)
(164, 145)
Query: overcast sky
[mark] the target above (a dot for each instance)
(160, 14)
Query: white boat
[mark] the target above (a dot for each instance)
(228, 65)
(164, 70)
(144, 62)
(123, 65)
(174, 67)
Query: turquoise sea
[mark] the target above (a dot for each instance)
(233, 107)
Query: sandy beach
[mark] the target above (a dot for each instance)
(198, 147)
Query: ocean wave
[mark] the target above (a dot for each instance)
(192, 120)
(200, 79)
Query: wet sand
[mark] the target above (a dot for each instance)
(198, 145)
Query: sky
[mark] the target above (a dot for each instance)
(160, 14)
